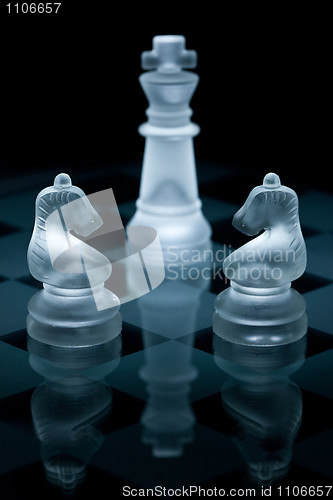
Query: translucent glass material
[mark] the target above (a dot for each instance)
(168, 198)
(261, 271)
(60, 260)
(278, 255)
(169, 54)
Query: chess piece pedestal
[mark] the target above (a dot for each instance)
(79, 337)
(73, 308)
(248, 313)
(168, 199)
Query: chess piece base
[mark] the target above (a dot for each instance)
(82, 337)
(72, 308)
(260, 335)
(251, 316)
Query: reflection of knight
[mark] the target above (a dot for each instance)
(67, 407)
(265, 404)
(261, 271)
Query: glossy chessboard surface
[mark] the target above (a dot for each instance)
(162, 403)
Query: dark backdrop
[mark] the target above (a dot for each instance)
(70, 91)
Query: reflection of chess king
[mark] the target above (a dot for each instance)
(168, 198)
(262, 270)
(168, 419)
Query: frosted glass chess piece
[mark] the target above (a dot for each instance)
(264, 403)
(261, 271)
(69, 337)
(168, 199)
(72, 272)
(69, 405)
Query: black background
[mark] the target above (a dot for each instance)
(70, 94)
(70, 91)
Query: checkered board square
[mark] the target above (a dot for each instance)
(160, 406)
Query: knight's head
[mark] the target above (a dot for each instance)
(78, 213)
(266, 206)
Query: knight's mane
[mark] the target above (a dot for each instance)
(55, 199)
(281, 197)
(275, 196)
